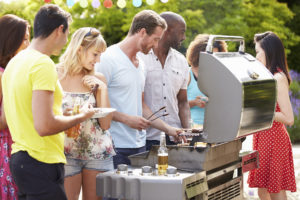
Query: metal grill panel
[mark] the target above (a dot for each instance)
(198, 182)
(227, 191)
(196, 187)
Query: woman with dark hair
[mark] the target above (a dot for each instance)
(14, 37)
(275, 174)
(196, 98)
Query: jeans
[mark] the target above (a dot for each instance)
(75, 166)
(37, 180)
(122, 155)
(149, 144)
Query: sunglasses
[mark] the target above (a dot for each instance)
(153, 114)
(93, 32)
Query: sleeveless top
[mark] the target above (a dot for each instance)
(86, 141)
(193, 91)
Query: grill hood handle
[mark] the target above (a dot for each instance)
(213, 38)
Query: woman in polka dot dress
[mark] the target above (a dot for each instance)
(275, 174)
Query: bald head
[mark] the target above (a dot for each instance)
(175, 33)
(172, 18)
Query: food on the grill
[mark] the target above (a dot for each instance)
(191, 132)
(183, 144)
(200, 144)
(194, 130)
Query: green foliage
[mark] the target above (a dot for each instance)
(294, 130)
(226, 17)
(294, 24)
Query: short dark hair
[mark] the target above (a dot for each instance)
(274, 51)
(147, 19)
(12, 34)
(48, 18)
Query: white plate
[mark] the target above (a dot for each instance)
(102, 112)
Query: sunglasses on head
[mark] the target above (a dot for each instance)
(93, 32)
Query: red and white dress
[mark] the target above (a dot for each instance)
(8, 189)
(276, 166)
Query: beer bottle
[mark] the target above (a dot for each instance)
(162, 155)
(76, 110)
(73, 132)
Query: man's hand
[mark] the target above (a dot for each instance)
(68, 112)
(138, 123)
(87, 110)
(172, 131)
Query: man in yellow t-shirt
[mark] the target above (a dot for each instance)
(32, 99)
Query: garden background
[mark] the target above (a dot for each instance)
(226, 17)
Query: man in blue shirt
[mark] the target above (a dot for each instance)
(125, 80)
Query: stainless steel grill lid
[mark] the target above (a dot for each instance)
(241, 91)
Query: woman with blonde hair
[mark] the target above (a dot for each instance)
(88, 147)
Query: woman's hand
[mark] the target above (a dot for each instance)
(91, 81)
(199, 101)
(68, 112)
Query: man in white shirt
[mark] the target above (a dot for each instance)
(166, 72)
(123, 71)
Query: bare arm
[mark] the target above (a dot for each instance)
(285, 115)
(1, 85)
(45, 122)
(197, 102)
(135, 122)
(184, 109)
(158, 123)
(102, 101)
(3, 124)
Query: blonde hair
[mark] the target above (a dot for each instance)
(70, 60)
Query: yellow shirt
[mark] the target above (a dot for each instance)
(31, 70)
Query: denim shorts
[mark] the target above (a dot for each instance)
(75, 166)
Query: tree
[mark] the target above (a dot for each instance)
(294, 25)
(225, 17)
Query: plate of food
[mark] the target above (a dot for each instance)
(102, 112)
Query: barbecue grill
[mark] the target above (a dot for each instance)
(242, 99)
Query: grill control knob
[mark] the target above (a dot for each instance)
(146, 170)
(122, 169)
(171, 171)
